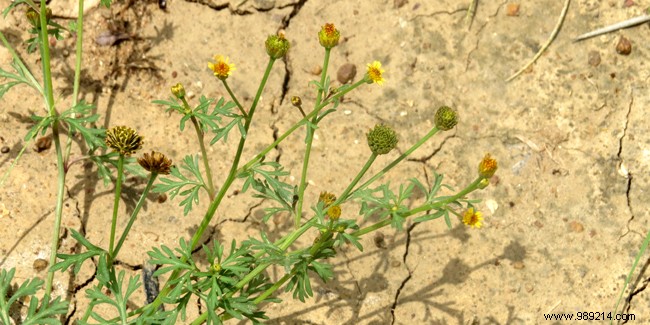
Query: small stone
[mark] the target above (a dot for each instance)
(529, 288)
(624, 47)
(538, 224)
(264, 4)
(379, 240)
(576, 226)
(593, 58)
(518, 265)
(174, 74)
(346, 73)
(42, 144)
(395, 263)
(4, 149)
(512, 9)
(40, 264)
(316, 70)
(162, 198)
(399, 3)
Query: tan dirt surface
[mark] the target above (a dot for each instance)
(565, 214)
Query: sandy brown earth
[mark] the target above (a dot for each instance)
(565, 216)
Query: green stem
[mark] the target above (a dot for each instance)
(49, 99)
(390, 166)
(354, 182)
(204, 155)
(234, 98)
(54, 243)
(77, 72)
(308, 144)
(212, 209)
(134, 214)
(116, 204)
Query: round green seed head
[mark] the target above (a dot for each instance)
(381, 139)
(446, 118)
(277, 46)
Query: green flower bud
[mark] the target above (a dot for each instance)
(484, 183)
(34, 17)
(124, 140)
(446, 118)
(329, 36)
(277, 46)
(296, 101)
(382, 139)
(178, 90)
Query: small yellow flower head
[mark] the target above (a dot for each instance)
(487, 167)
(178, 90)
(381, 139)
(446, 118)
(124, 140)
(327, 198)
(473, 218)
(34, 17)
(221, 67)
(334, 212)
(329, 36)
(296, 101)
(156, 162)
(277, 46)
(374, 73)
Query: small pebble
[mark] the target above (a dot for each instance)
(512, 9)
(379, 240)
(576, 226)
(174, 74)
(624, 47)
(40, 264)
(593, 58)
(346, 73)
(399, 3)
(518, 265)
(4, 149)
(42, 144)
(162, 198)
(316, 70)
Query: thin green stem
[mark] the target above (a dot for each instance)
(234, 98)
(354, 182)
(116, 204)
(49, 99)
(77, 72)
(309, 142)
(54, 243)
(204, 156)
(204, 153)
(390, 166)
(212, 209)
(134, 214)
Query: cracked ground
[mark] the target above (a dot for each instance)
(565, 214)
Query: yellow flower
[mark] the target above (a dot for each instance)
(329, 36)
(473, 218)
(221, 68)
(487, 167)
(375, 73)
(334, 212)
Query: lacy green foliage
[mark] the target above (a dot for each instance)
(176, 184)
(47, 312)
(269, 186)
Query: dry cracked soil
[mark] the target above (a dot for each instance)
(565, 214)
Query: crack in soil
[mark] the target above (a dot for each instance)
(628, 302)
(435, 151)
(478, 39)
(620, 159)
(408, 278)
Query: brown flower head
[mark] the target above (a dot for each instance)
(487, 167)
(124, 140)
(155, 162)
(327, 198)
